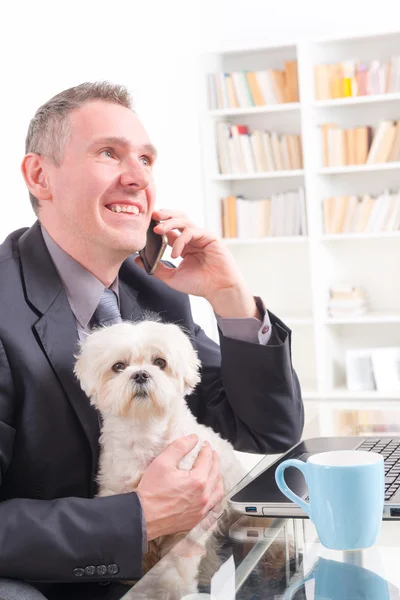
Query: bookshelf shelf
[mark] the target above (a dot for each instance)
(344, 394)
(256, 110)
(282, 239)
(343, 237)
(369, 318)
(358, 100)
(266, 175)
(394, 166)
(294, 273)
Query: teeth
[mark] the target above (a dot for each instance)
(125, 208)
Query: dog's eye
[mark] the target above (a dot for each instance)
(160, 362)
(118, 367)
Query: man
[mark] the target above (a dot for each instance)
(88, 164)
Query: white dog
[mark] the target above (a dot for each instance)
(137, 375)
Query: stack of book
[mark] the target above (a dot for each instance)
(346, 301)
(357, 78)
(244, 89)
(366, 214)
(279, 215)
(242, 151)
(358, 146)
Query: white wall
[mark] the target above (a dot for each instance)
(152, 48)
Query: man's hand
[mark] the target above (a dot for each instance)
(207, 269)
(174, 500)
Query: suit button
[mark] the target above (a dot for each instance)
(113, 569)
(78, 572)
(90, 570)
(101, 570)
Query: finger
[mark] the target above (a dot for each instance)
(178, 449)
(202, 464)
(197, 237)
(171, 237)
(214, 474)
(217, 496)
(180, 243)
(173, 223)
(162, 214)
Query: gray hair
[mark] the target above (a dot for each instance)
(49, 130)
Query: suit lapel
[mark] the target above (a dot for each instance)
(56, 328)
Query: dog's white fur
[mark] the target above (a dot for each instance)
(137, 425)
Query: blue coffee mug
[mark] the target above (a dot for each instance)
(339, 581)
(346, 491)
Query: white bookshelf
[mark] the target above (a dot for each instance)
(293, 274)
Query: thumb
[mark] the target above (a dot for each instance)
(179, 448)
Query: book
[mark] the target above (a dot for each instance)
(382, 131)
(255, 89)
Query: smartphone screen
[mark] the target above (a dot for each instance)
(154, 249)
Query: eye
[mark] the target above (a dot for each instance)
(160, 362)
(146, 161)
(119, 367)
(109, 152)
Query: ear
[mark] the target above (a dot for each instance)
(85, 374)
(191, 376)
(34, 171)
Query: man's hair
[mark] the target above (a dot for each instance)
(49, 129)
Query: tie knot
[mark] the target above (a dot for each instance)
(107, 311)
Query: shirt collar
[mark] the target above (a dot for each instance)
(83, 289)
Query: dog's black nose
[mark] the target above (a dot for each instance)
(140, 376)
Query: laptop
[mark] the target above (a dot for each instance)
(262, 496)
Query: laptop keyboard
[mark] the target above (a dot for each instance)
(390, 450)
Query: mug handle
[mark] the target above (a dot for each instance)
(281, 483)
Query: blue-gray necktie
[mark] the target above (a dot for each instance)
(107, 311)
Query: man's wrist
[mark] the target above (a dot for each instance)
(234, 302)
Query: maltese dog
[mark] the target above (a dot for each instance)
(137, 375)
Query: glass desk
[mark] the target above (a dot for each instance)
(231, 556)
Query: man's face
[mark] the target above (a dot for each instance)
(103, 191)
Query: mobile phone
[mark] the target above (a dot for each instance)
(154, 249)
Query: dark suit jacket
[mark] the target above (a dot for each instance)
(51, 526)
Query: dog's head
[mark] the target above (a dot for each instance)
(137, 370)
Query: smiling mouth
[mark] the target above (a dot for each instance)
(127, 209)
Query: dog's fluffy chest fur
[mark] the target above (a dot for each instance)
(127, 449)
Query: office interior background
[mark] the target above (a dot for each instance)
(163, 52)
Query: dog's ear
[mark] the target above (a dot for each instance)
(191, 376)
(85, 374)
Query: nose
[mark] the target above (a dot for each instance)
(140, 377)
(135, 176)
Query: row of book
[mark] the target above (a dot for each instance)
(346, 301)
(366, 214)
(357, 78)
(359, 145)
(242, 151)
(244, 89)
(360, 422)
(279, 215)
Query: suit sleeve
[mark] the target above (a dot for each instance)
(56, 540)
(250, 393)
